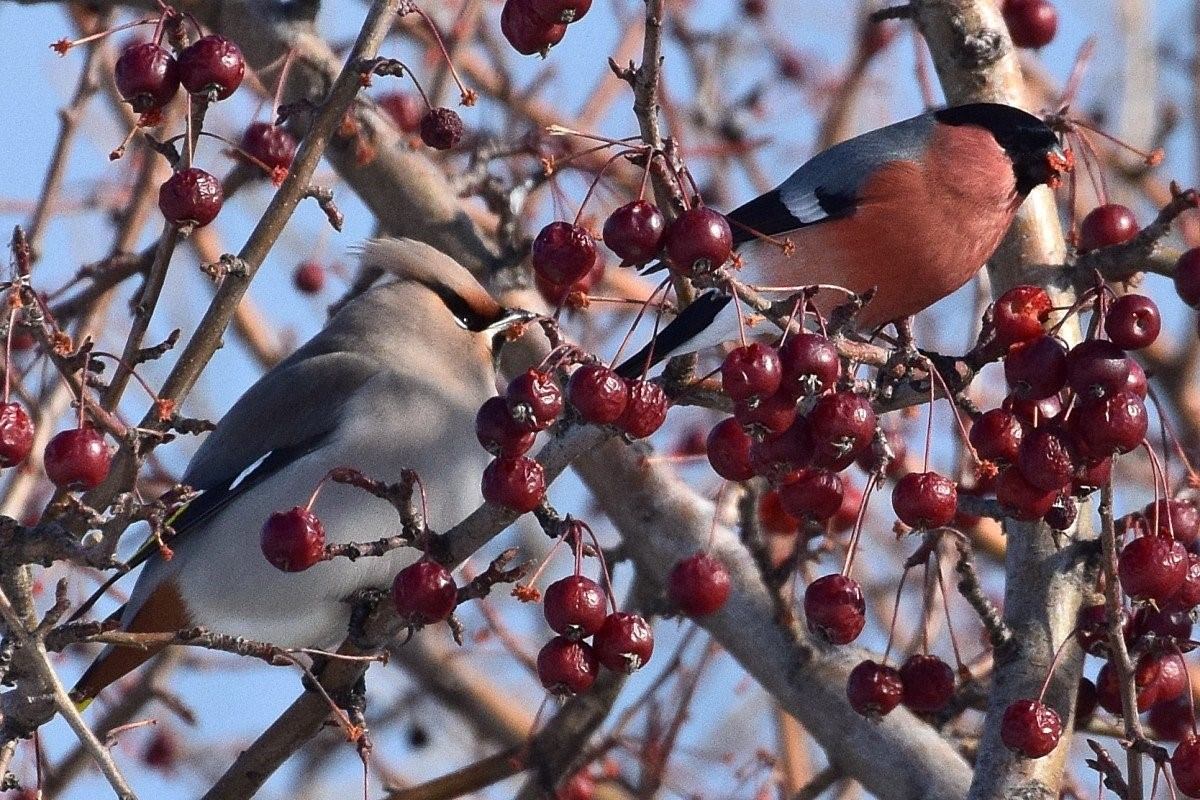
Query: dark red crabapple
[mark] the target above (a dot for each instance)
(834, 608)
(1162, 624)
(874, 689)
(1133, 322)
(1137, 382)
(1062, 514)
(526, 31)
(699, 239)
(847, 515)
(1102, 426)
(1047, 458)
(190, 197)
(1036, 369)
(1170, 721)
(1176, 518)
(1085, 703)
(563, 253)
(1034, 412)
(646, 410)
(1090, 475)
(212, 66)
(634, 231)
(147, 76)
(699, 585)
(77, 459)
(925, 500)
(441, 128)
(928, 683)
(598, 393)
(816, 495)
(162, 751)
(1108, 688)
(534, 399)
(1020, 498)
(294, 540)
(1031, 23)
(1096, 368)
(997, 435)
(574, 606)
(566, 667)
(424, 592)
(1019, 314)
(728, 448)
(404, 108)
(557, 295)
(810, 364)
(1152, 568)
(1187, 277)
(774, 517)
(752, 371)
(624, 642)
(309, 277)
(515, 482)
(1185, 766)
(1188, 596)
(270, 144)
(1107, 225)
(842, 426)
(498, 432)
(778, 456)
(1091, 629)
(1030, 727)
(16, 434)
(773, 414)
(564, 11)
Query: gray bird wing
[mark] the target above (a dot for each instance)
(828, 186)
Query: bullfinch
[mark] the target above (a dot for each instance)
(392, 382)
(913, 210)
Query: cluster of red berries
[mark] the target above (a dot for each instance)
(1031, 23)
(507, 426)
(534, 26)
(148, 76)
(75, 459)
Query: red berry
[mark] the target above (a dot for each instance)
(1031, 23)
(1107, 225)
(1159, 626)
(624, 642)
(424, 592)
(441, 128)
(778, 456)
(309, 277)
(1137, 382)
(293, 540)
(270, 144)
(997, 436)
(526, 31)
(646, 411)
(147, 77)
(1085, 703)
(212, 66)
(1152, 568)
(515, 482)
(1091, 629)
(1188, 596)
(599, 394)
(1176, 519)
(190, 197)
(498, 432)
(842, 426)
(1170, 721)
(1102, 426)
(563, 253)
(928, 683)
(405, 109)
(754, 8)
(534, 400)
(1034, 412)
(77, 459)
(847, 515)
(810, 364)
(752, 371)
(1031, 728)
(774, 414)
(1036, 368)
(1187, 277)
(874, 689)
(1019, 313)
(566, 667)
(834, 608)
(574, 606)
(774, 517)
(728, 449)
(925, 500)
(1133, 322)
(1062, 514)
(16, 434)
(1096, 368)
(815, 495)
(162, 751)
(1090, 476)
(1046, 458)
(556, 295)
(564, 11)
(634, 231)
(1145, 679)
(1185, 766)
(699, 240)
(1020, 498)
(699, 585)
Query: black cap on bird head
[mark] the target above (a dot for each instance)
(1038, 156)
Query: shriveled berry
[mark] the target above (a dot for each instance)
(1185, 766)
(779, 456)
(441, 128)
(1107, 225)
(147, 76)
(190, 197)
(1108, 686)
(563, 253)
(1031, 23)
(1102, 426)
(1188, 596)
(1031, 728)
(16, 434)
(1020, 498)
(77, 459)
(526, 31)
(925, 500)
(212, 66)
(309, 277)
(1047, 458)
(1096, 368)
(1062, 514)
(293, 540)
(699, 585)
(728, 448)
(534, 400)
(634, 231)
(424, 592)
(1152, 568)
(566, 667)
(1133, 322)
(564, 11)
(1090, 475)
(928, 683)
(810, 364)
(270, 144)
(624, 642)
(498, 432)
(646, 411)
(816, 495)
(1091, 629)
(1177, 518)
(1019, 314)
(834, 608)
(997, 435)
(1162, 624)
(842, 426)
(1187, 277)
(1036, 368)
(598, 393)
(874, 689)
(753, 371)
(515, 482)
(574, 606)
(698, 240)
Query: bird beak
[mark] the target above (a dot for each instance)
(1058, 161)
(510, 317)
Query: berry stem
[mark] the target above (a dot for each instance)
(595, 181)
(637, 319)
(958, 662)
(1164, 421)
(887, 650)
(1159, 478)
(1053, 663)
(737, 306)
(852, 548)
(12, 318)
(467, 96)
(283, 74)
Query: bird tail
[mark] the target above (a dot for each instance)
(710, 320)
